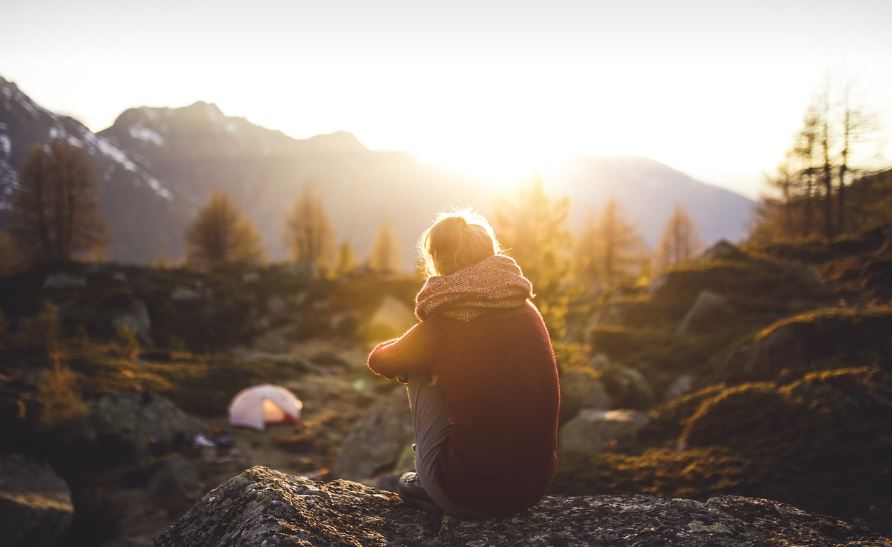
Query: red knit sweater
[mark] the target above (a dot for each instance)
(499, 377)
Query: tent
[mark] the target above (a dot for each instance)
(264, 404)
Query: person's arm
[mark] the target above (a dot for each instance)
(412, 352)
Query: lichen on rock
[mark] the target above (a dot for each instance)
(265, 507)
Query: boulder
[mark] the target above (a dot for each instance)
(391, 318)
(35, 503)
(64, 281)
(133, 314)
(709, 311)
(723, 250)
(581, 389)
(594, 430)
(626, 387)
(126, 427)
(680, 386)
(176, 485)
(265, 507)
(816, 340)
(184, 294)
(378, 439)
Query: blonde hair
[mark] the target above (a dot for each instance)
(455, 240)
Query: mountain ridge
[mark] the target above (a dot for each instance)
(158, 165)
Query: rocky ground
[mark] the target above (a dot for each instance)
(764, 373)
(264, 507)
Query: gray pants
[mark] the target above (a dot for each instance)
(430, 415)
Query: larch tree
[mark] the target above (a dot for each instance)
(221, 234)
(609, 246)
(680, 241)
(531, 226)
(308, 233)
(11, 259)
(385, 255)
(346, 259)
(55, 209)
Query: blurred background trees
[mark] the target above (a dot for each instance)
(221, 234)
(385, 255)
(531, 226)
(55, 214)
(610, 248)
(679, 242)
(810, 193)
(308, 232)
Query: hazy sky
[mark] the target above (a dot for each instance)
(713, 88)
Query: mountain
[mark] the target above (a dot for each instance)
(157, 166)
(648, 191)
(131, 197)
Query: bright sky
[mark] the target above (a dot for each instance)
(711, 87)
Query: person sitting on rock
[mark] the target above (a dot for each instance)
(481, 375)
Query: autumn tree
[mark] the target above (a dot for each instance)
(680, 241)
(308, 233)
(385, 255)
(346, 259)
(221, 234)
(55, 210)
(811, 182)
(609, 247)
(531, 226)
(11, 259)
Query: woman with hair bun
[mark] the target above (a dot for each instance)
(481, 374)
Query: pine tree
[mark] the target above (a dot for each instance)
(308, 233)
(385, 255)
(221, 234)
(679, 242)
(55, 210)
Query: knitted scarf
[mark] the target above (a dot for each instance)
(493, 284)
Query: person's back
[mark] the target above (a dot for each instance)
(498, 376)
(482, 379)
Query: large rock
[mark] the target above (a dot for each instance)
(266, 507)
(35, 503)
(709, 312)
(594, 430)
(375, 443)
(816, 340)
(391, 318)
(581, 389)
(626, 387)
(723, 250)
(131, 313)
(128, 427)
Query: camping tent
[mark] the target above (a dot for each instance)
(259, 405)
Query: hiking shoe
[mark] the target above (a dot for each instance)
(411, 491)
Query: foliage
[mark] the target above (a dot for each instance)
(385, 255)
(57, 396)
(221, 234)
(308, 233)
(680, 241)
(609, 248)
(810, 195)
(55, 213)
(346, 262)
(532, 228)
(11, 259)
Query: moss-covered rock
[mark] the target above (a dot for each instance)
(818, 340)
